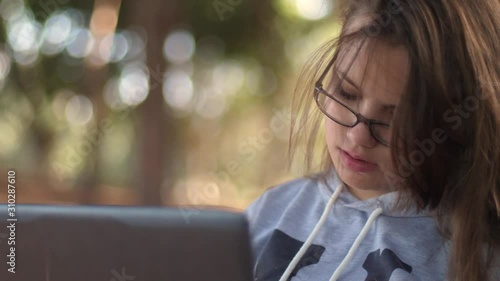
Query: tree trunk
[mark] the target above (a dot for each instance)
(157, 17)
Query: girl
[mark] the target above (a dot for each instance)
(409, 188)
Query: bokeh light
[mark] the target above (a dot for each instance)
(178, 90)
(133, 84)
(77, 18)
(56, 32)
(112, 95)
(209, 104)
(24, 37)
(313, 9)
(179, 46)
(228, 77)
(114, 47)
(81, 43)
(309, 10)
(11, 9)
(60, 101)
(79, 110)
(136, 45)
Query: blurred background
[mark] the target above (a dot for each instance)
(154, 102)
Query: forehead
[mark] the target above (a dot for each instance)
(378, 69)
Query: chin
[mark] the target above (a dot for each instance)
(372, 181)
(359, 181)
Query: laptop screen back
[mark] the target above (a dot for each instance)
(109, 243)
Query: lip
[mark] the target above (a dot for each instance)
(356, 163)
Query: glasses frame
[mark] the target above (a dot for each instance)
(318, 88)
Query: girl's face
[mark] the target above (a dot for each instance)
(374, 82)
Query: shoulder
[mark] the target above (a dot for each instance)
(280, 196)
(279, 206)
(289, 189)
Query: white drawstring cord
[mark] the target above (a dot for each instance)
(309, 240)
(356, 244)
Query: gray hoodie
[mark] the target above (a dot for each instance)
(309, 230)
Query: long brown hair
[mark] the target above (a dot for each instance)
(453, 87)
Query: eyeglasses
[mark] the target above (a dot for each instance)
(334, 106)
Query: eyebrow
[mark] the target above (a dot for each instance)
(344, 76)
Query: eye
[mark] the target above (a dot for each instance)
(345, 95)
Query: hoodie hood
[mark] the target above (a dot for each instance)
(387, 202)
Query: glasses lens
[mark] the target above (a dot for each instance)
(382, 132)
(335, 110)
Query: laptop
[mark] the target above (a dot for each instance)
(117, 243)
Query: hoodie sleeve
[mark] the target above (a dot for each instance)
(251, 213)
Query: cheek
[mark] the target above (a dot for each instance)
(334, 133)
(386, 160)
(334, 140)
(387, 168)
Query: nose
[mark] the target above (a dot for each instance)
(360, 135)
